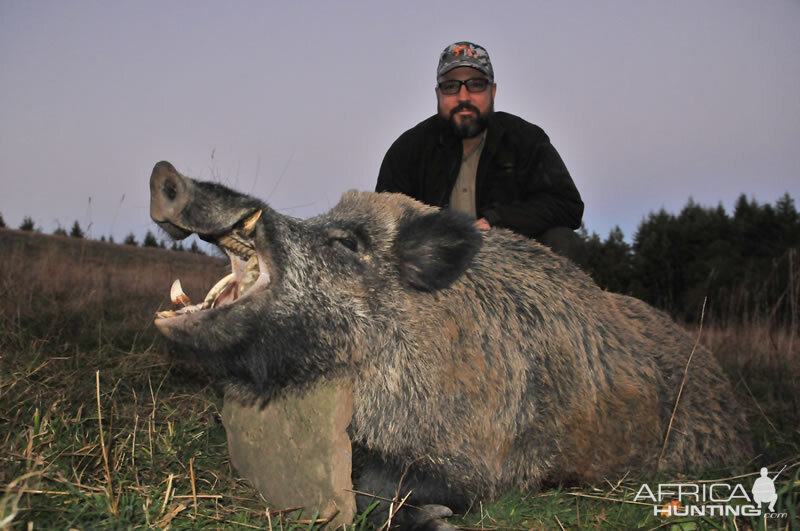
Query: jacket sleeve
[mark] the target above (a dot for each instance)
(548, 196)
(393, 175)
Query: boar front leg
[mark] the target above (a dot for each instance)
(431, 500)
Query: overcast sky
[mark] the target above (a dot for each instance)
(648, 102)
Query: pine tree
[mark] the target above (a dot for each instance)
(657, 272)
(149, 240)
(617, 262)
(76, 231)
(787, 218)
(130, 239)
(195, 248)
(27, 224)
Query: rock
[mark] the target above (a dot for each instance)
(295, 451)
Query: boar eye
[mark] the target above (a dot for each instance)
(349, 242)
(345, 239)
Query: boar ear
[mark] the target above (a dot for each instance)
(435, 249)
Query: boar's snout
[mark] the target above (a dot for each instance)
(170, 192)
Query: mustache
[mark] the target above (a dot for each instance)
(464, 107)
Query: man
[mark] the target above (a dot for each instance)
(495, 166)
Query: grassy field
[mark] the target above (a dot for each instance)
(99, 430)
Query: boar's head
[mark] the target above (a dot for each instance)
(304, 297)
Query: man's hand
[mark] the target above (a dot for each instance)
(482, 224)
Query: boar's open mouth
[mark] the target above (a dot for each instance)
(249, 273)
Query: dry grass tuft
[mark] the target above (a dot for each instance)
(98, 429)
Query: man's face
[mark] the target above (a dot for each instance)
(468, 112)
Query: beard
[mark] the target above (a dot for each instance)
(468, 127)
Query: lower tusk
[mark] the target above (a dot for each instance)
(218, 288)
(177, 295)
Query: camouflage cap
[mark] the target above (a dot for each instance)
(465, 54)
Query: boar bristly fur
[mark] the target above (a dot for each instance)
(480, 361)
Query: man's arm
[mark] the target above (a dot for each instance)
(549, 197)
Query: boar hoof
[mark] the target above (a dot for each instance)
(432, 518)
(437, 524)
(435, 511)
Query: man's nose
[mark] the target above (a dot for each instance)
(463, 93)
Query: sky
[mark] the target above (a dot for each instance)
(648, 102)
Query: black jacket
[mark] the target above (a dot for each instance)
(521, 183)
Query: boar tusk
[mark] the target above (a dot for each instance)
(218, 288)
(177, 295)
(250, 223)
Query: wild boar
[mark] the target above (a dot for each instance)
(480, 361)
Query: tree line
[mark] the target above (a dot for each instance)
(742, 265)
(77, 232)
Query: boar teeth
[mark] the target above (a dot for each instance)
(250, 223)
(166, 314)
(218, 288)
(177, 295)
(238, 246)
(243, 277)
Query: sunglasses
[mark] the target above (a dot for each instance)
(453, 86)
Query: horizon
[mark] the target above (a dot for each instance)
(164, 239)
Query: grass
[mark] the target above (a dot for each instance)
(98, 429)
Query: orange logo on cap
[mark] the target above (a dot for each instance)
(466, 49)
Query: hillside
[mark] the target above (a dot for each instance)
(40, 271)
